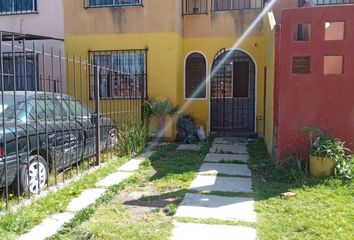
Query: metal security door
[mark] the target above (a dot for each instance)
(233, 93)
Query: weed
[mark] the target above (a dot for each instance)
(171, 209)
(132, 139)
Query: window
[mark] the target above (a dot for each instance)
(334, 31)
(325, 2)
(22, 75)
(333, 65)
(49, 109)
(17, 6)
(302, 32)
(221, 5)
(195, 78)
(112, 3)
(77, 109)
(195, 6)
(122, 74)
(301, 65)
(241, 70)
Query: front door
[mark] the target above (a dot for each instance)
(233, 94)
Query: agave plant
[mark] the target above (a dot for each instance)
(160, 108)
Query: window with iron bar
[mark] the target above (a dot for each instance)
(22, 75)
(323, 2)
(112, 3)
(191, 7)
(195, 76)
(122, 74)
(223, 5)
(17, 6)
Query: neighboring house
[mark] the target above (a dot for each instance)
(309, 59)
(40, 23)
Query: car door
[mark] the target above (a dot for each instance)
(43, 113)
(76, 128)
(84, 118)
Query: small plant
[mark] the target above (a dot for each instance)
(132, 139)
(171, 209)
(160, 108)
(324, 146)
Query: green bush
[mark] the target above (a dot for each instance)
(132, 139)
(324, 145)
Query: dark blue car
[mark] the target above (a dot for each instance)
(53, 131)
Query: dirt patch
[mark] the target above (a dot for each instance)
(143, 203)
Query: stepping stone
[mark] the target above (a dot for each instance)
(230, 140)
(222, 208)
(211, 157)
(48, 227)
(131, 165)
(222, 184)
(113, 179)
(222, 168)
(183, 231)
(86, 198)
(229, 148)
(188, 147)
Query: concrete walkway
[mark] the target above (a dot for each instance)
(52, 224)
(224, 171)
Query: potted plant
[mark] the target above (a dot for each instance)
(327, 154)
(160, 108)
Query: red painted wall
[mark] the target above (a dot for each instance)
(318, 100)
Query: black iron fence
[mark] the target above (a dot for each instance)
(58, 111)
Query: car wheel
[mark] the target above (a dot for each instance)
(112, 139)
(34, 178)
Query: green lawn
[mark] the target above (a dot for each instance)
(13, 224)
(321, 209)
(160, 183)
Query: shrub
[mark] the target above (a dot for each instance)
(132, 139)
(324, 145)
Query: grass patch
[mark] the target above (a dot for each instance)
(320, 209)
(132, 138)
(213, 221)
(25, 218)
(162, 182)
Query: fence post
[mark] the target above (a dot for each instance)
(98, 115)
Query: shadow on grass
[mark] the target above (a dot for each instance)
(168, 162)
(174, 171)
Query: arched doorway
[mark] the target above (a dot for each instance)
(232, 99)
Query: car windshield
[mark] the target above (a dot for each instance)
(7, 108)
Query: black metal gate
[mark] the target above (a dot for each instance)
(232, 94)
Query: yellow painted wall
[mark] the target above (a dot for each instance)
(162, 60)
(169, 38)
(209, 47)
(153, 16)
(165, 63)
(269, 61)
